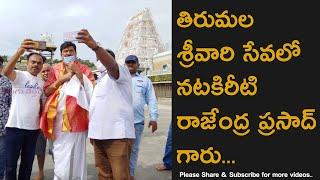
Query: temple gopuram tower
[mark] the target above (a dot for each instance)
(140, 38)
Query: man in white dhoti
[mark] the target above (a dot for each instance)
(65, 118)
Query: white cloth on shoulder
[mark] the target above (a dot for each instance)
(69, 148)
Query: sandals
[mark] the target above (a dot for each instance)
(161, 167)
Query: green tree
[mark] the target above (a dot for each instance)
(5, 58)
(55, 61)
(88, 63)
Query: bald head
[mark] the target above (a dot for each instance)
(45, 71)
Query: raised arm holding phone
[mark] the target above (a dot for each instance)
(33, 67)
(105, 58)
(111, 126)
(22, 128)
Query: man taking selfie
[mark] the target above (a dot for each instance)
(22, 128)
(111, 127)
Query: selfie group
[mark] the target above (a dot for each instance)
(66, 103)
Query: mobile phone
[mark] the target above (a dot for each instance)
(70, 36)
(40, 45)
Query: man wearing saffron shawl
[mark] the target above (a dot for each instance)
(65, 117)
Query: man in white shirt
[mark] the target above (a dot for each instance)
(111, 125)
(22, 127)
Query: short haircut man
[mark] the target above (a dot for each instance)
(69, 124)
(22, 128)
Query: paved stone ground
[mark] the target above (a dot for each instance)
(151, 150)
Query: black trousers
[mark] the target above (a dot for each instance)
(20, 142)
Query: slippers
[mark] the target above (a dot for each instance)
(161, 167)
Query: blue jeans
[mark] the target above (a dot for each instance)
(135, 148)
(2, 157)
(167, 158)
(20, 142)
